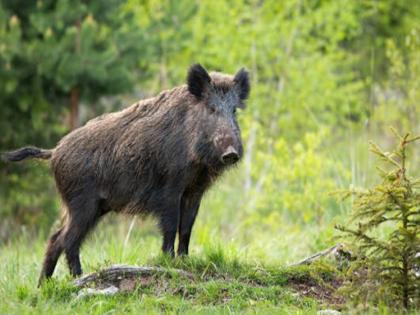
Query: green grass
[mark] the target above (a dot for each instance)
(222, 280)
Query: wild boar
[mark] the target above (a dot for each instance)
(157, 156)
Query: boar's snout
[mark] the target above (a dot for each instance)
(230, 156)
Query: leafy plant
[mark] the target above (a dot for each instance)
(386, 237)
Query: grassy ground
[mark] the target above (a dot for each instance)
(221, 281)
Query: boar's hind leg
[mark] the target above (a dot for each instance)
(52, 254)
(84, 214)
(189, 209)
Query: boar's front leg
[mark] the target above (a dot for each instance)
(169, 221)
(190, 204)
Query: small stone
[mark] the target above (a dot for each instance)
(89, 292)
(328, 312)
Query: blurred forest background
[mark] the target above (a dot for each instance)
(327, 76)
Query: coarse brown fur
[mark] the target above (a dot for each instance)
(157, 156)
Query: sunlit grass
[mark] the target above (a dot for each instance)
(223, 281)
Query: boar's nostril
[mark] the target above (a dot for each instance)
(230, 156)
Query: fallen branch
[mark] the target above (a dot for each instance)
(118, 273)
(337, 252)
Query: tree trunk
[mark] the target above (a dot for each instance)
(75, 91)
(74, 108)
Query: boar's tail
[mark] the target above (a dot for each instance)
(26, 153)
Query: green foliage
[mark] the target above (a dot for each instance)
(47, 50)
(294, 178)
(379, 22)
(398, 97)
(386, 238)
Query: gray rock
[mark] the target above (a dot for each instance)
(111, 290)
(328, 312)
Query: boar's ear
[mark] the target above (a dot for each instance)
(198, 80)
(241, 81)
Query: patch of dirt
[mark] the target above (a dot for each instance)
(128, 285)
(326, 293)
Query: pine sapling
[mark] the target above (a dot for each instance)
(385, 233)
